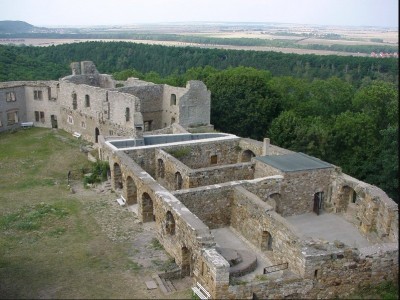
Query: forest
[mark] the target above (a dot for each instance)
(341, 109)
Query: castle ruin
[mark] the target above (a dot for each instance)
(245, 219)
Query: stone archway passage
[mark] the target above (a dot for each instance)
(117, 175)
(147, 208)
(131, 191)
(247, 155)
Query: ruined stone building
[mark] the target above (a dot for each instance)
(245, 219)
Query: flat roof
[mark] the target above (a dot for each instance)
(294, 162)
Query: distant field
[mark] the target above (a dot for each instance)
(50, 42)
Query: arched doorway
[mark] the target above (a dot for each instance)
(96, 135)
(186, 262)
(275, 201)
(161, 168)
(247, 155)
(131, 191)
(117, 175)
(178, 181)
(266, 241)
(147, 208)
(318, 200)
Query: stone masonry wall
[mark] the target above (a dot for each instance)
(195, 105)
(18, 105)
(220, 174)
(252, 217)
(200, 153)
(212, 206)
(332, 272)
(48, 104)
(373, 213)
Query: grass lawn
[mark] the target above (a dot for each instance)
(53, 243)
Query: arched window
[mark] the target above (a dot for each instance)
(74, 101)
(87, 101)
(170, 223)
(178, 181)
(173, 99)
(127, 114)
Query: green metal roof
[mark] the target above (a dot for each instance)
(294, 162)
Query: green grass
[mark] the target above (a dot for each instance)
(386, 290)
(51, 245)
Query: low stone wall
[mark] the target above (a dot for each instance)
(220, 174)
(212, 205)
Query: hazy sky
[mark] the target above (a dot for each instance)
(119, 12)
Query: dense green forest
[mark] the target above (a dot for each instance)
(343, 110)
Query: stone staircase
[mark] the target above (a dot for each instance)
(165, 285)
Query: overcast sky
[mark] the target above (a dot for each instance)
(121, 12)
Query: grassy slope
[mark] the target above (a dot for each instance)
(50, 243)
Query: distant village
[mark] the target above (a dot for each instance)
(384, 55)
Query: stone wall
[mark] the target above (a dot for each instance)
(19, 105)
(256, 221)
(106, 112)
(299, 189)
(331, 273)
(195, 105)
(367, 207)
(212, 205)
(190, 239)
(47, 104)
(199, 155)
(220, 174)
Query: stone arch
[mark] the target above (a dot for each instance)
(160, 168)
(247, 155)
(131, 191)
(274, 200)
(117, 176)
(266, 241)
(349, 195)
(170, 223)
(186, 262)
(147, 208)
(178, 181)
